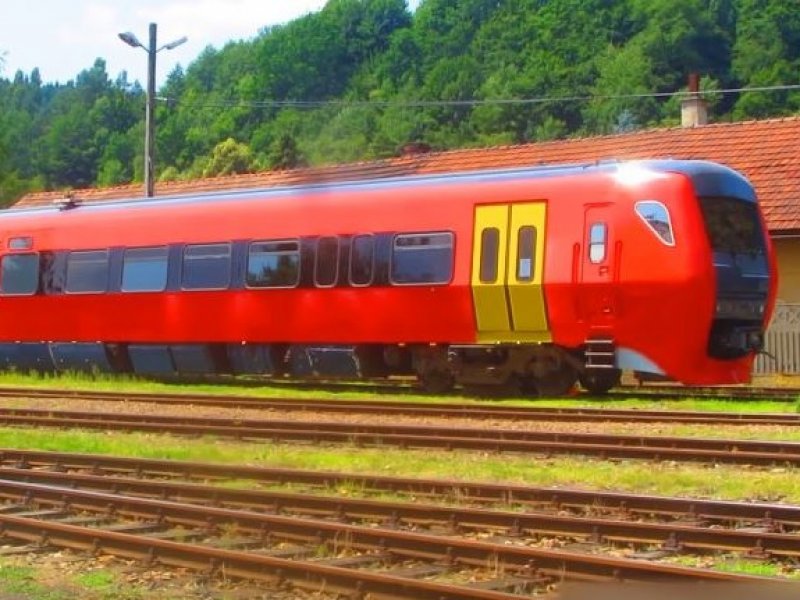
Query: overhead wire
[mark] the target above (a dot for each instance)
(468, 103)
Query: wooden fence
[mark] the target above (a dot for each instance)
(782, 343)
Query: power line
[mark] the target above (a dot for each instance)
(468, 103)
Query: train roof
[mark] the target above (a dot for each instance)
(709, 179)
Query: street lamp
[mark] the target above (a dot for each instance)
(149, 117)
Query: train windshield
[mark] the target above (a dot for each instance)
(733, 226)
(738, 243)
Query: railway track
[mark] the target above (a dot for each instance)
(675, 532)
(428, 409)
(606, 446)
(334, 548)
(34, 462)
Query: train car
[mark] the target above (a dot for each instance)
(529, 278)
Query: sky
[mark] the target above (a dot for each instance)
(64, 37)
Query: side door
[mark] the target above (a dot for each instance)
(600, 258)
(507, 272)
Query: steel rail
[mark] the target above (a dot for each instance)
(673, 535)
(405, 545)
(606, 446)
(306, 575)
(426, 409)
(780, 515)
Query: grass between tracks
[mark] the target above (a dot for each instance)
(249, 388)
(666, 478)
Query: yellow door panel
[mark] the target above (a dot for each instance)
(507, 265)
(525, 268)
(488, 281)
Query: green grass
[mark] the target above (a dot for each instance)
(727, 482)
(22, 581)
(249, 388)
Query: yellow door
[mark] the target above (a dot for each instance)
(507, 265)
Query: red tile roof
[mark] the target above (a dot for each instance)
(767, 152)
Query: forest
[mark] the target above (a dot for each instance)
(361, 78)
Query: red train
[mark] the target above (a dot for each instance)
(532, 278)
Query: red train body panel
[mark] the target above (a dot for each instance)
(627, 264)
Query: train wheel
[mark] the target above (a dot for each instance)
(557, 382)
(599, 382)
(437, 382)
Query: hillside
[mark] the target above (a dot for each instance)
(361, 78)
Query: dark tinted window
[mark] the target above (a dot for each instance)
(19, 274)
(526, 246)
(273, 264)
(362, 260)
(144, 270)
(733, 225)
(87, 272)
(422, 258)
(327, 261)
(206, 267)
(490, 245)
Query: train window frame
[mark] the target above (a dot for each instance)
(353, 242)
(660, 235)
(334, 265)
(529, 262)
(493, 258)
(598, 247)
(450, 246)
(3, 276)
(190, 247)
(73, 260)
(128, 252)
(297, 263)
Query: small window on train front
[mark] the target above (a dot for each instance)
(206, 267)
(656, 217)
(362, 260)
(144, 270)
(19, 274)
(274, 264)
(326, 265)
(526, 250)
(422, 258)
(597, 242)
(87, 272)
(490, 245)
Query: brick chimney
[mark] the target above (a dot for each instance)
(694, 110)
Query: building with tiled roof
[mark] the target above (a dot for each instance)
(767, 152)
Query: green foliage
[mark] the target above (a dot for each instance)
(229, 157)
(442, 76)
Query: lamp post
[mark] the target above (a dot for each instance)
(149, 116)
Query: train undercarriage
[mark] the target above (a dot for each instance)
(513, 369)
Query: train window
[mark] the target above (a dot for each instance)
(144, 269)
(526, 250)
(273, 264)
(19, 274)
(422, 258)
(597, 242)
(490, 245)
(362, 260)
(327, 262)
(656, 217)
(206, 267)
(87, 272)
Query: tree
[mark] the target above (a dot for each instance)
(229, 157)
